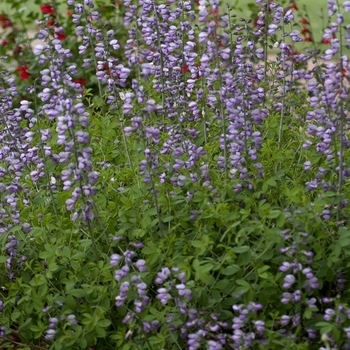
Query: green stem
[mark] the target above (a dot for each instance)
(265, 38)
(222, 114)
(125, 141)
(94, 57)
(153, 188)
(160, 54)
(341, 120)
(48, 179)
(280, 129)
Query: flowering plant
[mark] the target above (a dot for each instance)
(165, 185)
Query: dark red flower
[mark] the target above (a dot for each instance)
(185, 69)
(23, 72)
(214, 12)
(325, 41)
(50, 22)
(293, 6)
(46, 8)
(5, 22)
(305, 31)
(304, 21)
(18, 49)
(80, 81)
(4, 43)
(60, 36)
(308, 39)
(293, 53)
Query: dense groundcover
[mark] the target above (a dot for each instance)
(165, 184)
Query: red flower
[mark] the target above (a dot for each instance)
(50, 22)
(105, 67)
(118, 3)
(293, 6)
(308, 39)
(46, 8)
(305, 31)
(80, 81)
(69, 13)
(325, 41)
(214, 12)
(18, 49)
(4, 43)
(60, 36)
(185, 68)
(304, 21)
(23, 72)
(5, 22)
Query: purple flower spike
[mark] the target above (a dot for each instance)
(163, 275)
(289, 280)
(141, 265)
(346, 6)
(115, 259)
(163, 296)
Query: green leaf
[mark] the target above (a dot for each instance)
(325, 330)
(168, 218)
(70, 302)
(82, 342)
(79, 255)
(78, 293)
(66, 252)
(198, 197)
(75, 265)
(104, 323)
(336, 334)
(343, 232)
(273, 214)
(308, 314)
(85, 243)
(25, 324)
(35, 329)
(242, 249)
(42, 290)
(100, 332)
(344, 241)
(262, 272)
(243, 283)
(197, 244)
(46, 255)
(224, 285)
(15, 315)
(231, 270)
(53, 266)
